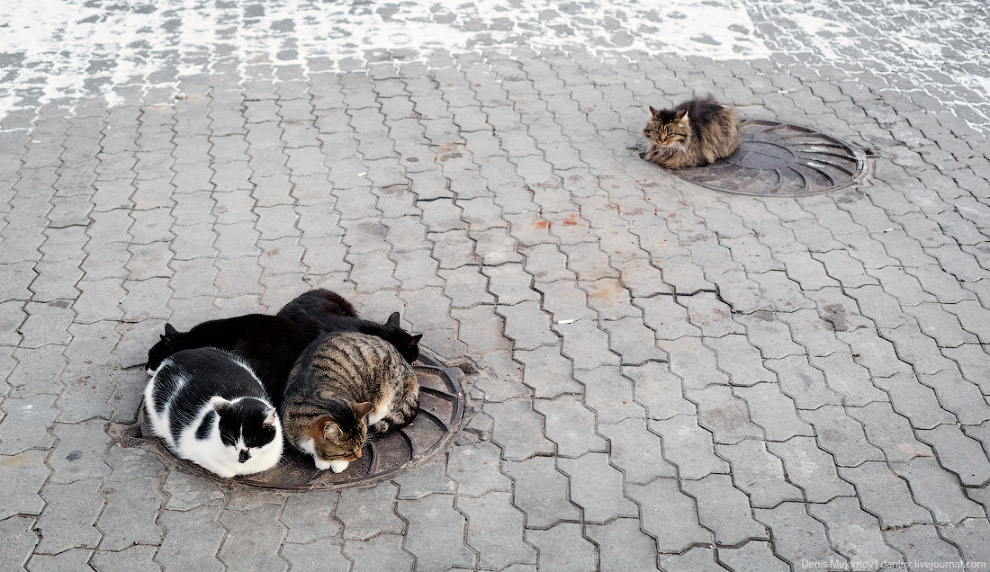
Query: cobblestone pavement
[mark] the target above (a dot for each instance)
(667, 377)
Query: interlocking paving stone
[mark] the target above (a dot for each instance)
(130, 559)
(668, 515)
(540, 491)
(957, 452)
(724, 510)
(754, 555)
(192, 539)
(724, 414)
(797, 536)
(811, 468)
(309, 517)
(596, 486)
(495, 530)
(364, 513)
(321, 555)
(759, 474)
(842, 436)
(936, 490)
(475, 468)
(253, 537)
(25, 423)
(381, 552)
(70, 560)
(921, 544)
(563, 547)
(882, 493)
(623, 546)
(570, 425)
(72, 526)
(19, 540)
(688, 446)
(435, 533)
(130, 513)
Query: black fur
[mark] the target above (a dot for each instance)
(268, 344)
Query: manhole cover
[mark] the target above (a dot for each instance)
(782, 160)
(441, 409)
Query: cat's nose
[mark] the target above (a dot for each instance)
(243, 456)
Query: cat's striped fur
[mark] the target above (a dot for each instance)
(696, 132)
(341, 385)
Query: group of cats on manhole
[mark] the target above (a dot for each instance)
(227, 393)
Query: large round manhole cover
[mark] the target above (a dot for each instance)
(441, 410)
(782, 160)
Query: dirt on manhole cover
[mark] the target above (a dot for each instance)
(441, 411)
(782, 160)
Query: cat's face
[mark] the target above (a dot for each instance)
(168, 344)
(336, 441)
(406, 343)
(246, 425)
(667, 128)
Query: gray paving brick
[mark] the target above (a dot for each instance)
(668, 515)
(883, 494)
(20, 540)
(959, 396)
(854, 533)
(700, 559)
(540, 491)
(25, 424)
(374, 553)
(527, 325)
(724, 414)
(753, 555)
(688, 446)
(959, 453)
(69, 516)
(695, 363)
(191, 541)
(890, 432)
(797, 536)
(133, 558)
(131, 510)
(811, 468)
(70, 560)
(666, 317)
(972, 537)
(367, 512)
(495, 530)
(609, 394)
(758, 473)
(642, 278)
(623, 546)
(79, 451)
(475, 468)
(842, 436)
(322, 555)
(563, 547)
(253, 538)
(435, 534)
(724, 510)
(921, 544)
(935, 489)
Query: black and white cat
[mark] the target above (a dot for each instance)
(210, 408)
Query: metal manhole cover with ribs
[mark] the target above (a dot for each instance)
(782, 160)
(441, 410)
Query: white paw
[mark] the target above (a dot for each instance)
(338, 466)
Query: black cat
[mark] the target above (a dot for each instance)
(325, 311)
(270, 344)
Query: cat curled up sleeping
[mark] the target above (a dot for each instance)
(342, 385)
(210, 408)
(695, 133)
(271, 344)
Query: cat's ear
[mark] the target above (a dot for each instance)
(415, 339)
(170, 331)
(220, 405)
(681, 115)
(362, 409)
(329, 428)
(393, 320)
(654, 112)
(271, 419)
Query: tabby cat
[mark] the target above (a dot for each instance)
(696, 132)
(341, 385)
(321, 310)
(210, 408)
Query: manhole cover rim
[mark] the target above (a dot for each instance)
(856, 154)
(129, 435)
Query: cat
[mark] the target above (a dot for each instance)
(341, 385)
(321, 310)
(268, 344)
(210, 408)
(695, 133)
